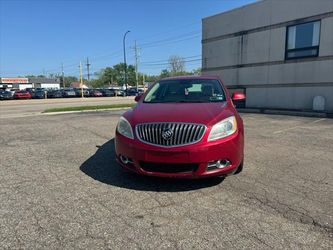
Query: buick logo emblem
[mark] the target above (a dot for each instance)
(167, 134)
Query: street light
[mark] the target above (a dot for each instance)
(125, 65)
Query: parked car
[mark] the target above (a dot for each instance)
(12, 91)
(54, 93)
(132, 92)
(119, 92)
(68, 93)
(39, 94)
(95, 93)
(22, 94)
(5, 95)
(31, 91)
(107, 92)
(182, 127)
(78, 92)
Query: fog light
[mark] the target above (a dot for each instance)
(219, 164)
(125, 160)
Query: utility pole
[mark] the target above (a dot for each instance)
(125, 64)
(62, 75)
(88, 67)
(81, 80)
(136, 53)
(143, 82)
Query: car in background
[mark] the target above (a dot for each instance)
(78, 92)
(184, 127)
(31, 91)
(5, 95)
(118, 92)
(22, 94)
(132, 92)
(108, 92)
(54, 93)
(95, 93)
(39, 94)
(12, 91)
(141, 90)
(68, 93)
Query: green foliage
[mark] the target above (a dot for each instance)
(69, 80)
(165, 73)
(95, 83)
(115, 75)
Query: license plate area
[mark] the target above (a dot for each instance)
(172, 157)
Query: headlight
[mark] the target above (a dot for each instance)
(124, 128)
(224, 128)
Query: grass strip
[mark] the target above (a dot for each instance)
(92, 107)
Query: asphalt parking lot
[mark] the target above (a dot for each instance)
(61, 189)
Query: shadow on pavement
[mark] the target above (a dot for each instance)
(103, 167)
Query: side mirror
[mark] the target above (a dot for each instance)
(138, 97)
(237, 96)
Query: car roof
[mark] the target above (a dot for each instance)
(192, 77)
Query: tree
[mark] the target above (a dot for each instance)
(95, 83)
(69, 79)
(165, 73)
(176, 65)
(196, 71)
(115, 75)
(150, 78)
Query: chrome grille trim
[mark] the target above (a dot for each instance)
(183, 133)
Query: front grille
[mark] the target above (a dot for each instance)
(170, 134)
(168, 168)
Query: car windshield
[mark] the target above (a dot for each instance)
(196, 90)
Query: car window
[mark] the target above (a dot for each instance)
(196, 90)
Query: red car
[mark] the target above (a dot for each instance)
(182, 127)
(22, 94)
(95, 93)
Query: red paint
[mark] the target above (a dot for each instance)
(202, 152)
(22, 95)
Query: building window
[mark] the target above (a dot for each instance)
(303, 40)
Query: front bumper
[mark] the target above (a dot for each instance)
(199, 154)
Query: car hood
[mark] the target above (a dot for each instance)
(203, 113)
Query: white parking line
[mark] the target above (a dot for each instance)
(300, 126)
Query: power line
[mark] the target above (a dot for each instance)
(173, 29)
(167, 63)
(136, 52)
(196, 32)
(167, 60)
(162, 42)
(166, 41)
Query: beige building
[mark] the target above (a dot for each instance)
(280, 52)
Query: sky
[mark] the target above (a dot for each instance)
(37, 36)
